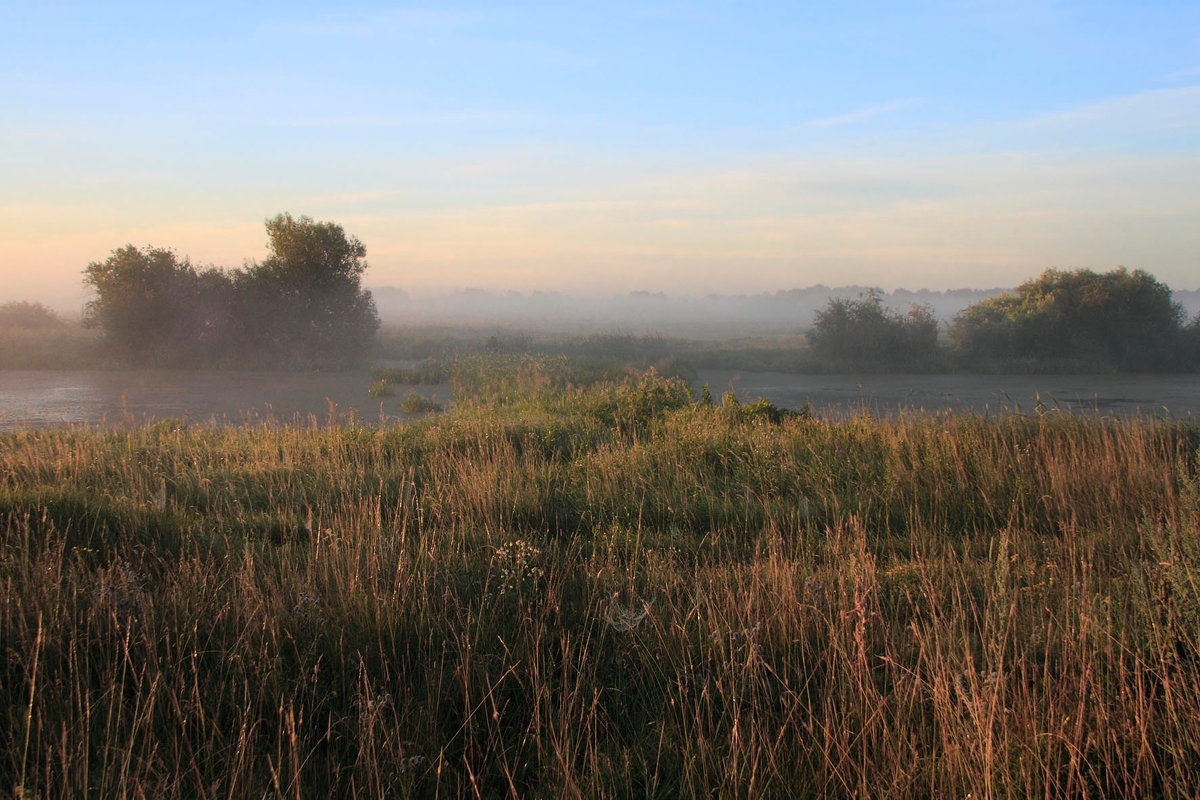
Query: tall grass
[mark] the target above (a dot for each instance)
(603, 592)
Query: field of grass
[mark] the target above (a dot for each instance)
(610, 591)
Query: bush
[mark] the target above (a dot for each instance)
(380, 388)
(416, 404)
(863, 335)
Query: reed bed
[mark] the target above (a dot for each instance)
(617, 593)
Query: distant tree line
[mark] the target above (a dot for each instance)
(28, 316)
(303, 306)
(33, 336)
(1065, 320)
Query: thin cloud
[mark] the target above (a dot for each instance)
(1183, 74)
(860, 115)
(1156, 109)
(1002, 214)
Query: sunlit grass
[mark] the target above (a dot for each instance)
(603, 592)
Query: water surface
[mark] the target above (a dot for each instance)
(1114, 395)
(40, 398)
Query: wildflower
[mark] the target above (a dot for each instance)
(515, 567)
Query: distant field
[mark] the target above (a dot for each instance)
(603, 592)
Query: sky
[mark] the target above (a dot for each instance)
(604, 147)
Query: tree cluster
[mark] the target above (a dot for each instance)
(302, 306)
(1118, 320)
(28, 316)
(864, 335)
(1063, 320)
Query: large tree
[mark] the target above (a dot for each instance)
(1119, 319)
(146, 303)
(302, 306)
(305, 301)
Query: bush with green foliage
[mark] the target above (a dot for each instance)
(414, 403)
(503, 379)
(380, 388)
(761, 410)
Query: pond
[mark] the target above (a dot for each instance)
(838, 395)
(39, 398)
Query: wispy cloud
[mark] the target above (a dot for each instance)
(861, 115)
(769, 222)
(1000, 217)
(1153, 110)
(998, 201)
(1183, 74)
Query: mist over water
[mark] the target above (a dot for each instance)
(679, 313)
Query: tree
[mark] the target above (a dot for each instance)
(1119, 319)
(145, 302)
(863, 334)
(305, 300)
(302, 306)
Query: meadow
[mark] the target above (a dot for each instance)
(610, 590)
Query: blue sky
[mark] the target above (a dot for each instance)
(608, 146)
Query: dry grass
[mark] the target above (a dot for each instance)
(528, 602)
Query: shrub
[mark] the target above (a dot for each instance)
(864, 335)
(380, 388)
(414, 403)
